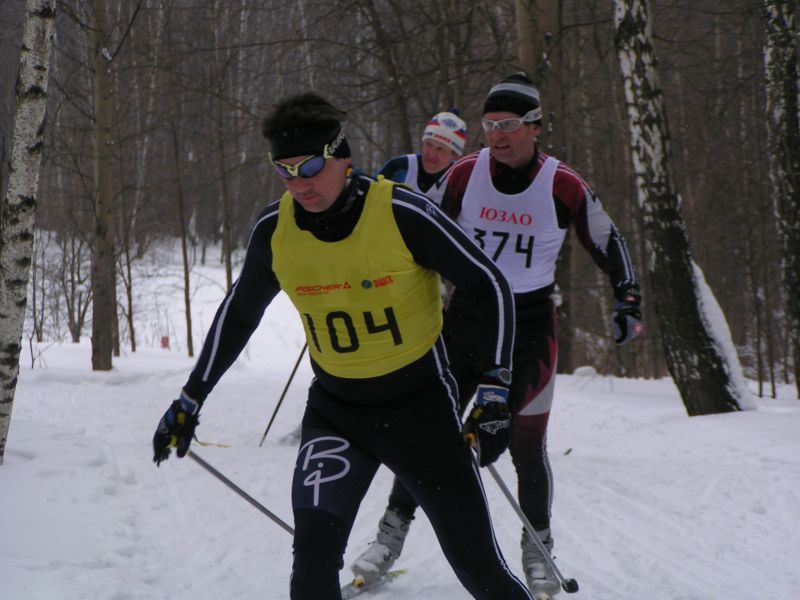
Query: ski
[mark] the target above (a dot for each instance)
(358, 586)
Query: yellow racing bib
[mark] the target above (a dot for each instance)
(368, 309)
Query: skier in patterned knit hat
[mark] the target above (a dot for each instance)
(443, 143)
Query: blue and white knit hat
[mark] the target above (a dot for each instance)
(449, 129)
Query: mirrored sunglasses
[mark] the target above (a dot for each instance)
(306, 168)
(507, 125)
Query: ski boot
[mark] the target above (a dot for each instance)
(375, 562)
(542, 581)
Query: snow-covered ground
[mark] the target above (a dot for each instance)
(649, 504)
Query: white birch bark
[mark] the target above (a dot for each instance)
(695, 345)
(19, 206)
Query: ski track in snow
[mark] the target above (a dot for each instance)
(649, 504)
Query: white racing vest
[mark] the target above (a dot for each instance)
(435, 192)
(519, 231)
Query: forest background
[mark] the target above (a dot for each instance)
(180, 87)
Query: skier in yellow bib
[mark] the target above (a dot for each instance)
(361, 259)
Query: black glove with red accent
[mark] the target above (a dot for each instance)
(488, 426)
(626, 320)
(176, 429)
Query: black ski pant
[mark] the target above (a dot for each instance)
(418, 436)
(530, 399)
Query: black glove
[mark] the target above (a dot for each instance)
(488, 425)
(176, 428)
(626, 320)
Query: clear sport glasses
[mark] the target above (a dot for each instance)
(308, 167)
(507, 125)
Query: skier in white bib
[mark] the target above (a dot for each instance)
(517, 203)
(425, 172)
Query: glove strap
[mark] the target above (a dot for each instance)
(491, 393)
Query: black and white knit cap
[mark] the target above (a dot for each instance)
(517, 94)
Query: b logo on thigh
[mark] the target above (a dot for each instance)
(322, 461)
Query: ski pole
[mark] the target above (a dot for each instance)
(285, 389)
(239, 491)
(569, 585)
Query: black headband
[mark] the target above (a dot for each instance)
(308, 140)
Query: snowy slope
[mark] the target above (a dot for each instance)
(649, 504)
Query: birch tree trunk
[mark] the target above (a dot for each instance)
(696, 339)
(19, 206)
(104, 303)
(783, 148)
